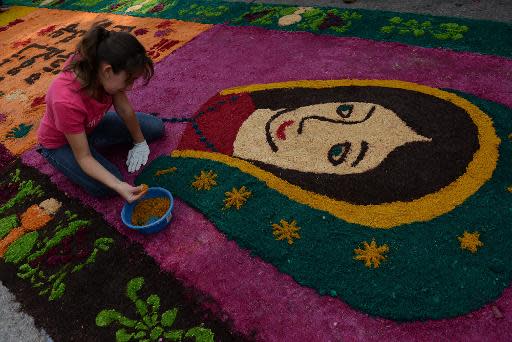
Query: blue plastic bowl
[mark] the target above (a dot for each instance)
(158, 223)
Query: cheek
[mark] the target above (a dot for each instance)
(115, 85)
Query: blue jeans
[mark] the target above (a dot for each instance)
(110, 131)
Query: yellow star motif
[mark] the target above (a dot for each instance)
(286, 230)
(470, 241)
(236, 197)
(371, 254)
(205, 181)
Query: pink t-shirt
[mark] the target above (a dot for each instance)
(69, 110)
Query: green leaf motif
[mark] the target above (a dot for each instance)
(25, 271)
(204, 11)
(201, 334)
(103, 244)
(411, 23)
(26, 189)
(7, 224)
(395, 20)
(443, 31)
(107, 317)
(142, 308)
(139, 335)
(147, 328)
(20, 248)
(174, 335)
(133, 287)
(15, 177)
(154, 302)
(123, 336)
(386, 29)
(169, 317)
(141, 326)
(418, 32)
(57, 291)
(156, 333)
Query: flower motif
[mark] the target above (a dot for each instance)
(371, 254)
(19, 131)
(37, 101)
(20, 43)
(205, 181)
(46, 30)
(286, 230)
(157, 8)
(470, 241)
(140, 32)
(164, 24)
(236, 197)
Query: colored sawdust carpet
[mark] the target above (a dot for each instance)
(338, 175)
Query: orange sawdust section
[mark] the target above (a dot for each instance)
(33, 51)
(149, 208)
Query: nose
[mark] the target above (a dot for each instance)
(315, 117)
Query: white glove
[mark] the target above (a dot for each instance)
(137, 156)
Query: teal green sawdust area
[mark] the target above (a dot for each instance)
(422, 30)
(424, 272)
(77, 267)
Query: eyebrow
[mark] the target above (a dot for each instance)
(364, 149)
(323, 118)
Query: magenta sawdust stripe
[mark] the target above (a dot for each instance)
(252, 293)
(226, 56)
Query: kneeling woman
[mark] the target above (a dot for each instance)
(99, 74)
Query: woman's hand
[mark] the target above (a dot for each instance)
(137, 156)
(130, 193)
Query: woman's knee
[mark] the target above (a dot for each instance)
(100, 191)
(152, 127)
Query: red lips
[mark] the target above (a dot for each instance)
(280, 133)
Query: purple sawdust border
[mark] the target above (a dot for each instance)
(257, 297)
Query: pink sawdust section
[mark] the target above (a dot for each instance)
(253, 294)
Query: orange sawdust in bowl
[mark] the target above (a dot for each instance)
(144, 189)
(148, 210)
(151, 213)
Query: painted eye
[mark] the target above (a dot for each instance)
(338, 153)
(344, 110)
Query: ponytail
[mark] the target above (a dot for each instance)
(119, 49)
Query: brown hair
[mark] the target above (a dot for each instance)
(119, 49)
